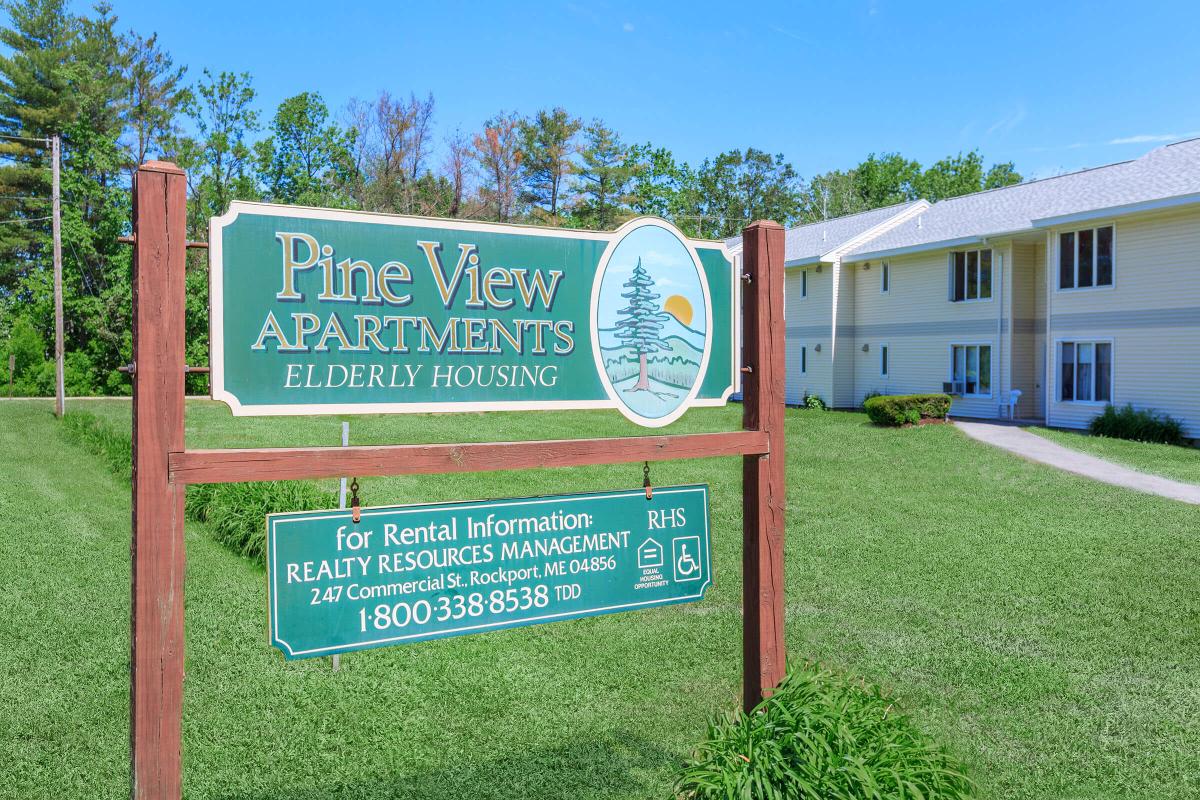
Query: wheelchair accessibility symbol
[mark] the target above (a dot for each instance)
(686, 558)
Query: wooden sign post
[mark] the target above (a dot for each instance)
(163, 467)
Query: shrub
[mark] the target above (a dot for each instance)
(27, 345)
(1139, 425)
(868, 396)
(906, 409)
(234, 512)
(820, 736)
(811, 401)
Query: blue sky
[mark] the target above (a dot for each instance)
(1051, 86)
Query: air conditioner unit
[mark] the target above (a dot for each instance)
(952, 388)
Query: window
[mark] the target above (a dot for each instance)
(970, 275)
(803, 359)
(1085, 258)
(1085, 372)
(885, 278)
(804, 283)
(971, 368)
(883, 360)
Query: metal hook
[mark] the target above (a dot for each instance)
(355, 510)
(646, 480)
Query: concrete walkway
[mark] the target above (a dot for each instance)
(1035, 448)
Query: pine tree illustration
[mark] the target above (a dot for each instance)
(641, 322)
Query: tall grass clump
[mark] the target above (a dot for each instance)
(235, 512)
(1138, 425)
(100, 438)
(821, 736)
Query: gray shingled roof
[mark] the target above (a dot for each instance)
(1167, 172)
(809, 242)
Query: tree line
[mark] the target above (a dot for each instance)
(118, 98)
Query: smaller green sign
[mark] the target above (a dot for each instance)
(409, 573)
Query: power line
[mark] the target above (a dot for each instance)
(42, 141)
(23, 221)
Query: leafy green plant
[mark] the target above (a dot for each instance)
(814, 403)
(820, 736)
(234, 511)
(869, 395)
(1139, 425)
(906, 409)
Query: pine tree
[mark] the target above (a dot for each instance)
(156, 97)
(603, 178)
(641, 322)
(547, 140)
(36, 100)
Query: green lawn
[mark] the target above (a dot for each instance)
(1045, 627)
(1169, 461)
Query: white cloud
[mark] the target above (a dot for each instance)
(1140, 138)
(791, 34)
(1008, 122)
(1147, 138)
(627, 27)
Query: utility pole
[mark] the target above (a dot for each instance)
(56, 224)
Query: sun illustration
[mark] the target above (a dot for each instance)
(678, 306)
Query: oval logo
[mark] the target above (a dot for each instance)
(651, 315)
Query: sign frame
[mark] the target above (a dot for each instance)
(612, 238)
(163, 467)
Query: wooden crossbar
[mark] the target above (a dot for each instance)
(274, 464)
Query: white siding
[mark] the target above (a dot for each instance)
(844, 343)
(1151, 314)
(808, 326)
(919, 323)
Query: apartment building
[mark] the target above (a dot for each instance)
(1044, 301)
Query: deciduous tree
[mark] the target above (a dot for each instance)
(219, 160)
(738, 187)
(306, 158)
(394, 138)
(498, 152)
(457, 168)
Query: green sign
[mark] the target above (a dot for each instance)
(322, 311)
(409, 573)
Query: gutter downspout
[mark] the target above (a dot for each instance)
(836, 268)
(1000, 336)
